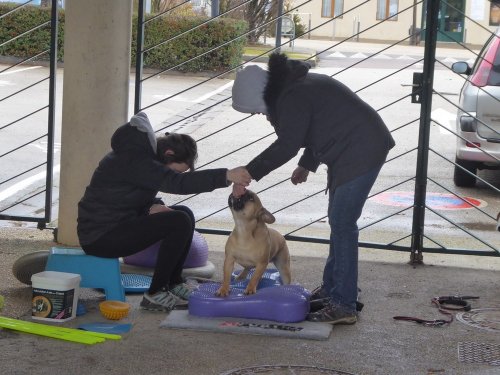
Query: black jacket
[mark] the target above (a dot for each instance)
(126, 182)
(323, 116)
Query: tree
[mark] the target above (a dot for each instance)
(260, 12)
(159, 6)
(256, 12)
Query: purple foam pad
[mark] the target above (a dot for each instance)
(197, 256)
(284, 303)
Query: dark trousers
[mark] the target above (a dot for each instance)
(173, 228)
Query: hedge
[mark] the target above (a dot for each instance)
(180, 46)
(33, 43)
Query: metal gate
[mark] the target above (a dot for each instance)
(418, 170)
(29, 128)
(421, 227)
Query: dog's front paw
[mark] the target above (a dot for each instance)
(249, 291)
(222, 292)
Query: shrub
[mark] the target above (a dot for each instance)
(180, 49)
(168, 43)
(37, 41)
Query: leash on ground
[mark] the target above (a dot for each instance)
(446, 305)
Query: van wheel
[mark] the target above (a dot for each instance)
(462, 178)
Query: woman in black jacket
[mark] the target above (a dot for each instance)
(119, 214)
(334, 127)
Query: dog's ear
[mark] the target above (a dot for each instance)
(266, 216)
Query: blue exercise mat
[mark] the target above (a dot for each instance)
(270, 278)
(106, 327)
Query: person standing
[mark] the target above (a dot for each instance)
(335, 127)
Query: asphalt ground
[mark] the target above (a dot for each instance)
(377, 344)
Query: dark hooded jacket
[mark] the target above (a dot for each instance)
(323, 116)
(125, 184)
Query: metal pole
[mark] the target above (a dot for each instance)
(358, 29)
(215, 8)
(431, 30)
(139, 56)
(52, 111)
(413, 38)
(309, 28)
(278, 25)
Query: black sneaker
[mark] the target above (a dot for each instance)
(332, 314)
(318, 293)
(319, 299)
(318, 304)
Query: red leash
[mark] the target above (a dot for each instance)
(444, 304)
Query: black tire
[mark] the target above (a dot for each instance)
(29, 264)
(462, 178)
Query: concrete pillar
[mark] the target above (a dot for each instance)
(97, 41)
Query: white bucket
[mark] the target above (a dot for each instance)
(55, 295)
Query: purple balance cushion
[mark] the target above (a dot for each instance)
(197, 256)
(283, 303)
(271, 277)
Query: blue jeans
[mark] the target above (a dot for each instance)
(340, 276)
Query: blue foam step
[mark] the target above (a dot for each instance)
(133, 283)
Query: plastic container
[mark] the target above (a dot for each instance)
(55, 295)
(114, 310)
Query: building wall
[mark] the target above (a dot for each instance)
(475, 34)
(364, 17)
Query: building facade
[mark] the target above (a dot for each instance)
(464, 21)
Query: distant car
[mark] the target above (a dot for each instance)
(478, 120)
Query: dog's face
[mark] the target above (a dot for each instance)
(248, 207)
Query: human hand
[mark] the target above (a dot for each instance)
(299, 175)
(238, 190)
(239, 176)
(155, 208)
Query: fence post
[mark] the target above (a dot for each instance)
(215, 8)
(52, 110)
(139, 56)
(417, 237)
(278, 26)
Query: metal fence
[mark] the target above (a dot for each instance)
(417, 173)
(32, 125)
(427, 228)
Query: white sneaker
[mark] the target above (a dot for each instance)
(161, 301)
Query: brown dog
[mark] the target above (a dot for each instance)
(253, 244)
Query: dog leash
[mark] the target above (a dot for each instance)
(445, 304)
